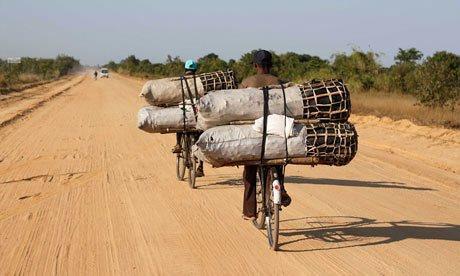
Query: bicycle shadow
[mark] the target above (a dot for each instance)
(352, 183)
(338, 232)
(223, 184)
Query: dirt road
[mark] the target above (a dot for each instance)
(83, 192)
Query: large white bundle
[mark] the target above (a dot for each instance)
(168, 91)
(225, 106)
(324, 101)
(163, 120)
(328, 143)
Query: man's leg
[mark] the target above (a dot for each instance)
(249, 200)
(200, 170)
(285, 198)
(177, 148)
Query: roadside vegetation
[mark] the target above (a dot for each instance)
(424, 90)
(30, 71)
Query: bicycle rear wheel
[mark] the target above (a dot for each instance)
(272, 214)
(259, 222)
(180, 161)
(191, 162)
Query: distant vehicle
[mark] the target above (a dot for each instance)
(104, 73)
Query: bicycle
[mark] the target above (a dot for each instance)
(186, 160)
(268, 194)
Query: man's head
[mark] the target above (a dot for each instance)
(262, 61)
(190, 67)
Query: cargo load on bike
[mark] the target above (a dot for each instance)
(173, 100)
(156, 119)
(314, 130)
(174, 110)
(322, 143)
(168, 91)
(320, 100)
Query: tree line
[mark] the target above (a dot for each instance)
(35, 69)
(434, 80)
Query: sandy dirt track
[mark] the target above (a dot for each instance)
(84, 192)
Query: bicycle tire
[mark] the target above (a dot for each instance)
(191, 163)
(259, 222)
(181, 162)
(272, 216)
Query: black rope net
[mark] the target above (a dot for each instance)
(219, 80)
(332, 143)
(326, 100)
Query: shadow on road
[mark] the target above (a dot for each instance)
(223, 184)
(345, 232)
(234, 182)
(351, 183)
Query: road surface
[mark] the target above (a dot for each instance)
(84, 192)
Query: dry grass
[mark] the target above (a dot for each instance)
(400, 106)
(28, 78)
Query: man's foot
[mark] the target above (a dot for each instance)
(177, 149)
(199, 172)
(249, 218)
(285, 199)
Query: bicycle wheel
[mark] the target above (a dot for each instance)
(259, 222)
(180, 161)
(191, 163)
(272, 214)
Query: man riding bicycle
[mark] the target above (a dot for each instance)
(190, 69)
(262, 61)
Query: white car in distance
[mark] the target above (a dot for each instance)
(104, 73)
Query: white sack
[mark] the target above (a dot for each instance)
(162, 120)
(331, 143)
(225, 106)
(168, 91)
(323, 101)
(276, 124)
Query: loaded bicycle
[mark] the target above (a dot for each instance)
(269, 183)
(270, 178)
(184, 158)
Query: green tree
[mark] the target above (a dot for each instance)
(130, 64)
(211, 62)
(361, 69)
(64, 64)
(410, 55)
(439, 80)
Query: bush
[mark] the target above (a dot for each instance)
(439, 80)
(359, 68)
(435, 82)
(35, 69)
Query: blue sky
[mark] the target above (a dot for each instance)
(99, 31)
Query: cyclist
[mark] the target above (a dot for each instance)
(262, 61)
(190, 69)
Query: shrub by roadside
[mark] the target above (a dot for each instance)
(33, 70)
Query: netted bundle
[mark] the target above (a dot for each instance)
(319, 101)
(218, 80)
(168, 91)
(331, 144)
(324, 143)
(326, 100)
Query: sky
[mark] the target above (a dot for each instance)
(99, 31)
